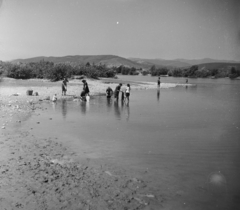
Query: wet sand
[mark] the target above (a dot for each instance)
(41, 173)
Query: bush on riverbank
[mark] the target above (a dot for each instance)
(55, 72)
(124, 70)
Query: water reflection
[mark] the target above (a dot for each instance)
(127, 111)
(109, 104)
(117, 110)
(123, 110)
(84, 105)
(158, 94)
(120, 109)
(54, 105)
(122, 103)
(64, 108)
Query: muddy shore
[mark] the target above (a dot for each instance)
(41, 173)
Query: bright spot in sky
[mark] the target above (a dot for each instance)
(117, 22)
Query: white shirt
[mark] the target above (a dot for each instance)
(54, 98)
(127, 89)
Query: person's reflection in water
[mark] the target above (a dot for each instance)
(117, 110)
(158, 94)
(87, 105)
(83, 106)
(127, 111)
(122, 104)
(64, 108)
(109, 104)
(54, 105)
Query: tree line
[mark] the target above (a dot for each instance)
(194, 72)
(54, 72)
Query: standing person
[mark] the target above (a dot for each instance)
(117, 90)
(109, 92)
(158, 82)
(128, 92)
(85, 87)
(123, 94)
(186, 81)
(64, 86)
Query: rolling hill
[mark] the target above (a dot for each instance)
(205, 60)
(160, 62)
(108, 60)
(179, 63)
(113, 60)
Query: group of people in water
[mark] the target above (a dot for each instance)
(85, 96)
(125, 92)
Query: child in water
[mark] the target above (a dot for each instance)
(54, 98)
(64, 86)
(128, 92)
(109, 92)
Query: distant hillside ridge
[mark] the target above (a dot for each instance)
(113, 60)
(178, 63)
(206, 60)
(160, 62)
(220, 66)
(108, 60)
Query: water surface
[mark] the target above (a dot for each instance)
(186, 140)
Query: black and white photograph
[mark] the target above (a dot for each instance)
(119, 104)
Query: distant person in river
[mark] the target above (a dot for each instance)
(54, 98)
(64, 86)
(109, 92)
(158, 82)
(117, 90)
(127, 93)
(85, 87)
(186, 81)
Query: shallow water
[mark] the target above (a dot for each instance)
(186, 140)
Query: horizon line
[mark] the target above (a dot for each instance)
(217, 59)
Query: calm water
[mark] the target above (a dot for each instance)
(188, 139)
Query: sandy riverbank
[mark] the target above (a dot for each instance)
(41, 173)
(45, 88)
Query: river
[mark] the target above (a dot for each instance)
(185, 140)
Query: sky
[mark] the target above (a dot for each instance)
(166, 29)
